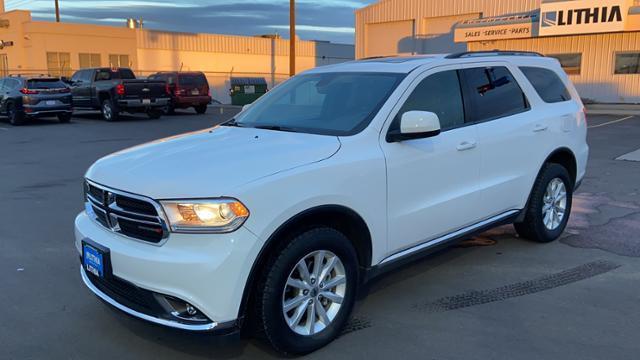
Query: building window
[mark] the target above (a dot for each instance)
(571, 63)
(627, 63)
(90, 61)
(59, 63)
(119, 60)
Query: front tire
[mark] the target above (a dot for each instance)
(549, 206)
(308, 291)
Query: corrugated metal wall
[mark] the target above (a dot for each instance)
(394, 10)
(597, 80)
(149, 39)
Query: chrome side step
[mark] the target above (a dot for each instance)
(452, 236)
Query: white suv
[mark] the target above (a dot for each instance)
(278, 216)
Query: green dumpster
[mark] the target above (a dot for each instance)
(245, 90)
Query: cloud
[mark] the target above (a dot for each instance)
(330, 20)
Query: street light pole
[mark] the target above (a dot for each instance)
(292, 37)
(57, 12)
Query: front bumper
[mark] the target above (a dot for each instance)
(38, 111)
(206, 271)
(188, 101)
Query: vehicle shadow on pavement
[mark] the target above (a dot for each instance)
(203, 345)
(97, 116)
(34, 122)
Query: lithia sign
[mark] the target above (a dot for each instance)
(583, 16)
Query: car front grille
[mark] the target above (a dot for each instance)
(127, 214)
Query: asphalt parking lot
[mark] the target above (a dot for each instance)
(495, 297)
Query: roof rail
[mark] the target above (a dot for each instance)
(377, 57)
(492, 53)
(29, 75)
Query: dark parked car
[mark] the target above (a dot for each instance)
(25, 97)
(114, 91)
(187, 89)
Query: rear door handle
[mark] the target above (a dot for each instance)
(467, 145)
(540, 127)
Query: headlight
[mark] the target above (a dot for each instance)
(205, 216)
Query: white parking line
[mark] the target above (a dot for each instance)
(611, 122)
(5, 129)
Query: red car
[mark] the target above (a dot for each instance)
(187, 89)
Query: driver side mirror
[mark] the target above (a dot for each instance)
(415, 125)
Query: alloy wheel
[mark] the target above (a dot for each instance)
(107, 111)
(555, 204)
(314, 292)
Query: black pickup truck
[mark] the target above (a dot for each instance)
(114, 91)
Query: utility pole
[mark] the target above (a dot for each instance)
(292, 37)
(57, 12)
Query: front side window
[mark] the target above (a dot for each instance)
(339, 104)
(11, 84)
(87, 75)
(77, 76)
(571, 63)
(440, 94)
(492, 93)
(627, 63)
(547, 83)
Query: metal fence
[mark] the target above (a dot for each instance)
(219, 82)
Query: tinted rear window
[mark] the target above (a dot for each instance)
(45, 84)
(493, 93)
(547, 83)
(109, 74)
(192, 80)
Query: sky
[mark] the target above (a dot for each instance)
(329, 20)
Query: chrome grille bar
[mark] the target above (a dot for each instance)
(145, 227)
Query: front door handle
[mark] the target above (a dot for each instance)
(540, 127)
(467, 145)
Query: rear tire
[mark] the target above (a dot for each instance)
(64, 118)
(549, 206)
(16, 116)
(109, 111)
(313, 296)
(201, 109)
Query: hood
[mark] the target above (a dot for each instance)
(209, 163)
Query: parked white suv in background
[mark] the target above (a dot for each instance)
(278, 216)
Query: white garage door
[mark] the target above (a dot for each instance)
(389, 38)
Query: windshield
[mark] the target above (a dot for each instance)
(339, 104)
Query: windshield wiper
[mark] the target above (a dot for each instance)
(275, 128)
(232, 122)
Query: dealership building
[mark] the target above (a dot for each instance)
(29, 46)
(596, 41)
